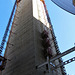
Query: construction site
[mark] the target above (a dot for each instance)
(32, 47)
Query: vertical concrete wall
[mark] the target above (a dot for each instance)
(42, 23)
(26, 52)
(22, 53)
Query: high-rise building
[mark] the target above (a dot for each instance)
(31, 41)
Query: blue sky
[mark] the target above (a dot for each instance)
(62, 21)
(5, 12)
(64, 28)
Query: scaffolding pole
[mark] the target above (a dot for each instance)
(58, 56)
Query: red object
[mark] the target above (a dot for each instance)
(46, 43)
(18, 0)
(2, 63)
(43, 1)
(49, 52)
(44, 34)
(74, 2)
(2, 66)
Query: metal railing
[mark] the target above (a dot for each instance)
(7, 29)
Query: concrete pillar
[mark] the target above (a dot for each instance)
(26, 53)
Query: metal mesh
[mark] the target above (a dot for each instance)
(68, 5)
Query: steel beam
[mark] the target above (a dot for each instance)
(58, 56)
(62, 54)
(66, 62)
(42, 64)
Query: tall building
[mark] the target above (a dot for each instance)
(31, 41)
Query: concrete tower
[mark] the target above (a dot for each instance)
(25, 47)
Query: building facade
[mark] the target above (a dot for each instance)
(26, 44)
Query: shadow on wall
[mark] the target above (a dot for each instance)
(32, 43)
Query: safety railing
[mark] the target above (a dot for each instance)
(7, 29)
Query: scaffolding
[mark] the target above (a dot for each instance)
(46, 45)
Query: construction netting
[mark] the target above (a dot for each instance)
(68, 5)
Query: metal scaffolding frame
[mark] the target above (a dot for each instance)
(56, 58)
(59, 54)
(7, 29)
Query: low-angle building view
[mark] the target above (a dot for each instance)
(32, 47)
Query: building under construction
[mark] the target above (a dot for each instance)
(31, 42)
